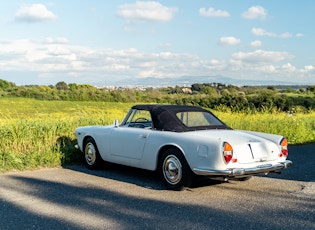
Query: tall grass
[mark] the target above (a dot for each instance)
(37, 134)
(298, 128)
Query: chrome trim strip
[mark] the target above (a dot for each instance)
(243, 171)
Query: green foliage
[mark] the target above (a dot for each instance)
(299, 128)
(210, 95)
(5, 85)
(36, 133)
(311, 88)
(61, 85)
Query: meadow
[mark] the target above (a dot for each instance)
(36, 133)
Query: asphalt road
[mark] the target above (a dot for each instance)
(126, 198)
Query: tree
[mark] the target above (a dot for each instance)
(73, 86)
(61, 85)
(311, 88)
(5, 85)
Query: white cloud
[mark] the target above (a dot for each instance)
(228, 41)
(256, 43)
(266, 64)
(262, 32)
(308, 69)
(34, 13)
(29, 55)
(299, 35)
(211, 12)
(55, 59)
(255, 12)
(145, 11)
(285, 35)
(288, 67)
(60, 40)
(260, 57)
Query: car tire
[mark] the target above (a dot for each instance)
(92, 157)
(174, 170)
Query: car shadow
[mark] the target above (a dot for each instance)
(140, 177)
(302, 170)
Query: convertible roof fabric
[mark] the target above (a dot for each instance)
(164, 117)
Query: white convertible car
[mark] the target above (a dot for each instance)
(181, 142)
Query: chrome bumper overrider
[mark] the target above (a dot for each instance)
(235, 172)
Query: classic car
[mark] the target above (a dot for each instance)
(182, 142)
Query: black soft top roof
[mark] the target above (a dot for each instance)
(164, 117)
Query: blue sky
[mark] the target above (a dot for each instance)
(102, 41)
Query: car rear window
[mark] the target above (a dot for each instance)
(196, 119)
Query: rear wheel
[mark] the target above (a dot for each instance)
(92, 157)
(174, 170)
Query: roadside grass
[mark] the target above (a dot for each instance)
(36, 133)
(298, 128)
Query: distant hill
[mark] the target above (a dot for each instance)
(189, 80)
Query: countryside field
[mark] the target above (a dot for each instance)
(35, 133)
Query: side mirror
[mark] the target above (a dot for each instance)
(116, 123)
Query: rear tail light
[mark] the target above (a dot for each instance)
(227, 152)
(284, 147)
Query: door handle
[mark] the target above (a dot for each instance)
(143, 136)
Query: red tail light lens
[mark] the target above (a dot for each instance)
(227, 152)
(284, 147)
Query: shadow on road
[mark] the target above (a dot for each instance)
(52, 205)
(37, 203)
(303, 169)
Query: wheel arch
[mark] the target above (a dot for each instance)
(166, 147)
(173, 168)
(84, 140)
(91, 153)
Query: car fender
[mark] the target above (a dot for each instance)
(196, 150)
(101, 135)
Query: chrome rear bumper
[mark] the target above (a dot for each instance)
(235, 172)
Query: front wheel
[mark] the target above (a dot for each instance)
(174, 170)
(92, 157)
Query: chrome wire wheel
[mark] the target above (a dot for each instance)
(90, 154)
(172, 169)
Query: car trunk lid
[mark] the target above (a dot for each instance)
(247, 147)
(256, 152)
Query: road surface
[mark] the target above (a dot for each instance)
(126, 198)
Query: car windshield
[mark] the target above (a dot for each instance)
(138, 119)
(197, 119)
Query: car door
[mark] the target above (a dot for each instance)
(128, 140)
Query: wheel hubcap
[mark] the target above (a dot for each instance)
(172, 169)
(90, 154)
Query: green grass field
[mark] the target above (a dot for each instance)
(36, 133)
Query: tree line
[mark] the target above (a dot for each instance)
(208, 95)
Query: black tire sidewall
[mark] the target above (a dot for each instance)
(98, 161)
(187, 174)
